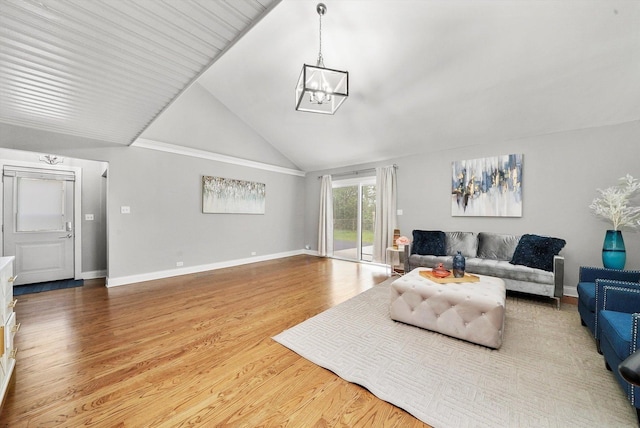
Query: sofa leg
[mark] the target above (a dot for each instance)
(582, 323)
(558, 301)
(607, 365)
(638, 415)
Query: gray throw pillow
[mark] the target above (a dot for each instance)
(496, 246)
(465, 242)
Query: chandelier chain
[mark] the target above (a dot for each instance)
(320, 59)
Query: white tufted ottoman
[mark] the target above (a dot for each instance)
(473, 311)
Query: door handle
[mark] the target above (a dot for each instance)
(69, 235)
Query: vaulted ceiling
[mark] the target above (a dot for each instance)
(424, 74)
(104, 69)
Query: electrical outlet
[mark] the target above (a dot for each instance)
(253, 253)
(179, 264)
(88, 217)
(125, 210)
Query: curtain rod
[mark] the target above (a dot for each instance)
(356, 172)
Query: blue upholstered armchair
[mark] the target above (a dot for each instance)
(617, 328)
(587, 290)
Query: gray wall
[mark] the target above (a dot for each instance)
(197, 119)
(166, 224)
(560, 176)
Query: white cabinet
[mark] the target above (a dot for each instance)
(7, 325)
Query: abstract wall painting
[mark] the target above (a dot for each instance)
(487, 187)
(229, 196)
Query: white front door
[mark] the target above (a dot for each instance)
(38, 223)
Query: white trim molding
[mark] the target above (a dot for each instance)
(203, 154)
(94, 274)
(131, 279)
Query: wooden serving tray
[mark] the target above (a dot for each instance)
(448, 279)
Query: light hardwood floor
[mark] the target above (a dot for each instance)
(194, 350)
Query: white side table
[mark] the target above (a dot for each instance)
(394, 259)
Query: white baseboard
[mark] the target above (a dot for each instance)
(571, 291)
(131, 279)
(93, 274)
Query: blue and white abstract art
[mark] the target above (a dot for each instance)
(487, 187)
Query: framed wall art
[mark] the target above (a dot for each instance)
(229, 196)
(488, 187)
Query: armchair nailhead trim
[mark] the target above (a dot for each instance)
(604, 302)
(601, 269)
(634, 341)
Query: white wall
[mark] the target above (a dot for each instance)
(560, 176)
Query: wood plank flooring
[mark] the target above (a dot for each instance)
(194, 350)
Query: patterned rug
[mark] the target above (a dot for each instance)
(546, 374)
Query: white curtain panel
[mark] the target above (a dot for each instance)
(386, 219)
(325, 226)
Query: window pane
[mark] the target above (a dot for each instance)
(345, 221)
(368, 221)
(40, 205)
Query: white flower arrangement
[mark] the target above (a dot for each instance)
(613, 204)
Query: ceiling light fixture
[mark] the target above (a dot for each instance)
(321, 89)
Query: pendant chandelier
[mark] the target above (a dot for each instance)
(321, 89)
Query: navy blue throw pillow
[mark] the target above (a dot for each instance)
(428, 243)
(537, 251)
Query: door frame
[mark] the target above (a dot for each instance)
(77, 207)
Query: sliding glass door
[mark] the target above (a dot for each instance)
(353, 218)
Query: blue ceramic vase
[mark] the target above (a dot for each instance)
(614, 255)
(459, 264)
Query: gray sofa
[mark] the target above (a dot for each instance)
(496, 255)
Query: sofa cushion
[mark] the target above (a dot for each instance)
(428, 261)
(428, 242)
(496, 246)
(616, 327)
(465, 242)
(537, 251)
(587, 294)
(505, 270)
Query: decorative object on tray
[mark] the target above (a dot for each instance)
(458, 265)
(448, 279)
(613, 205)
(440, 271)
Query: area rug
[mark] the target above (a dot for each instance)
(20, 290)
(546, 374)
